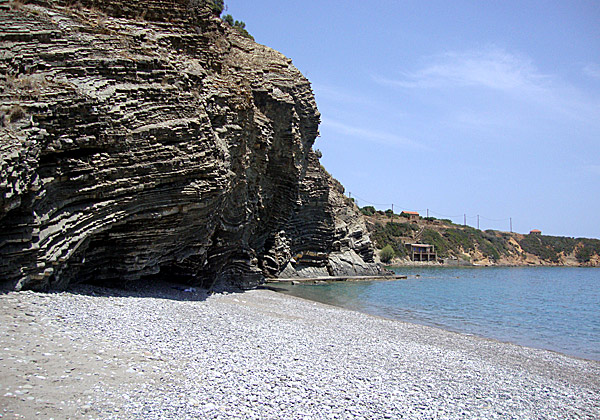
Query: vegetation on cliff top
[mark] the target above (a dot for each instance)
(218, 6)
(238, 25)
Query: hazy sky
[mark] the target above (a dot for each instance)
(476, 107)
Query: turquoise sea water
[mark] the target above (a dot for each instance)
(553, 308)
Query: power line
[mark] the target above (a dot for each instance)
(496, 220)
(464, 216)
(388, 205)
(444, 215)
(368, 202)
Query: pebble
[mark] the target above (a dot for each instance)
(271, 356)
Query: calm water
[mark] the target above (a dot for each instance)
(552, 308)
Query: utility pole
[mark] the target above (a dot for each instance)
(392, 212)
(511, 225)
(465, 219)
(477, 222)
(427, 213)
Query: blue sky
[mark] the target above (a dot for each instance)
(460, 107)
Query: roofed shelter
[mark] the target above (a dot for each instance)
(412, 216)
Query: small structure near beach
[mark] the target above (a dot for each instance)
(535, 232)
(412, 216)
(421, 252)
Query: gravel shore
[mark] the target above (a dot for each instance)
(166, 353)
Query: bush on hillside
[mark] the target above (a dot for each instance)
(459, 239)
(583, 255)
(229, 19)
(432, 237)
(533, 244)
(368, 210)
(400, 229)
(386, 254)
(389, 234)
(588, 248)
(549, 247)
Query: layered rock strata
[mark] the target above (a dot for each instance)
(148, 138)
(326, 236)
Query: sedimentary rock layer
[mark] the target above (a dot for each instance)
(143, 138)
(326, 234)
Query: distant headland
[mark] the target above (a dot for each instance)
(409, 238)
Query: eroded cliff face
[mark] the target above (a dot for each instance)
(326, 236)
(148, 138)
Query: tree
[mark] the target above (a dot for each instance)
(387, 253)
(238, 25)
(229, 19)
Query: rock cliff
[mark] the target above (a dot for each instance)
(148, 138)
(325, 236)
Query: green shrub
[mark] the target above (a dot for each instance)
(588, 248)
(389, 234)
(459, 238)
(559, 243)
(583, 255)
(488, 243)
(240, 27)
(549, 247)
(386, 254)
(432, 237)
(229, 19)
(400, 229)
(533, 244)
(368, 210)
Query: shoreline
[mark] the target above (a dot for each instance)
(265, 354)
(563, 337)
(413, 264)
(437, 327)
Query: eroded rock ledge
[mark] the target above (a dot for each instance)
(147, 138)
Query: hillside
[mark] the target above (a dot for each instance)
(457, 244)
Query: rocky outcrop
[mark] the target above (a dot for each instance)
(148, 138)
(325, 236)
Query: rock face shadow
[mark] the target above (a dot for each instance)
(156, 289)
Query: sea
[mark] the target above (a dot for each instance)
(553, 308)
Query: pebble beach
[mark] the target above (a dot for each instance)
(174, 353)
